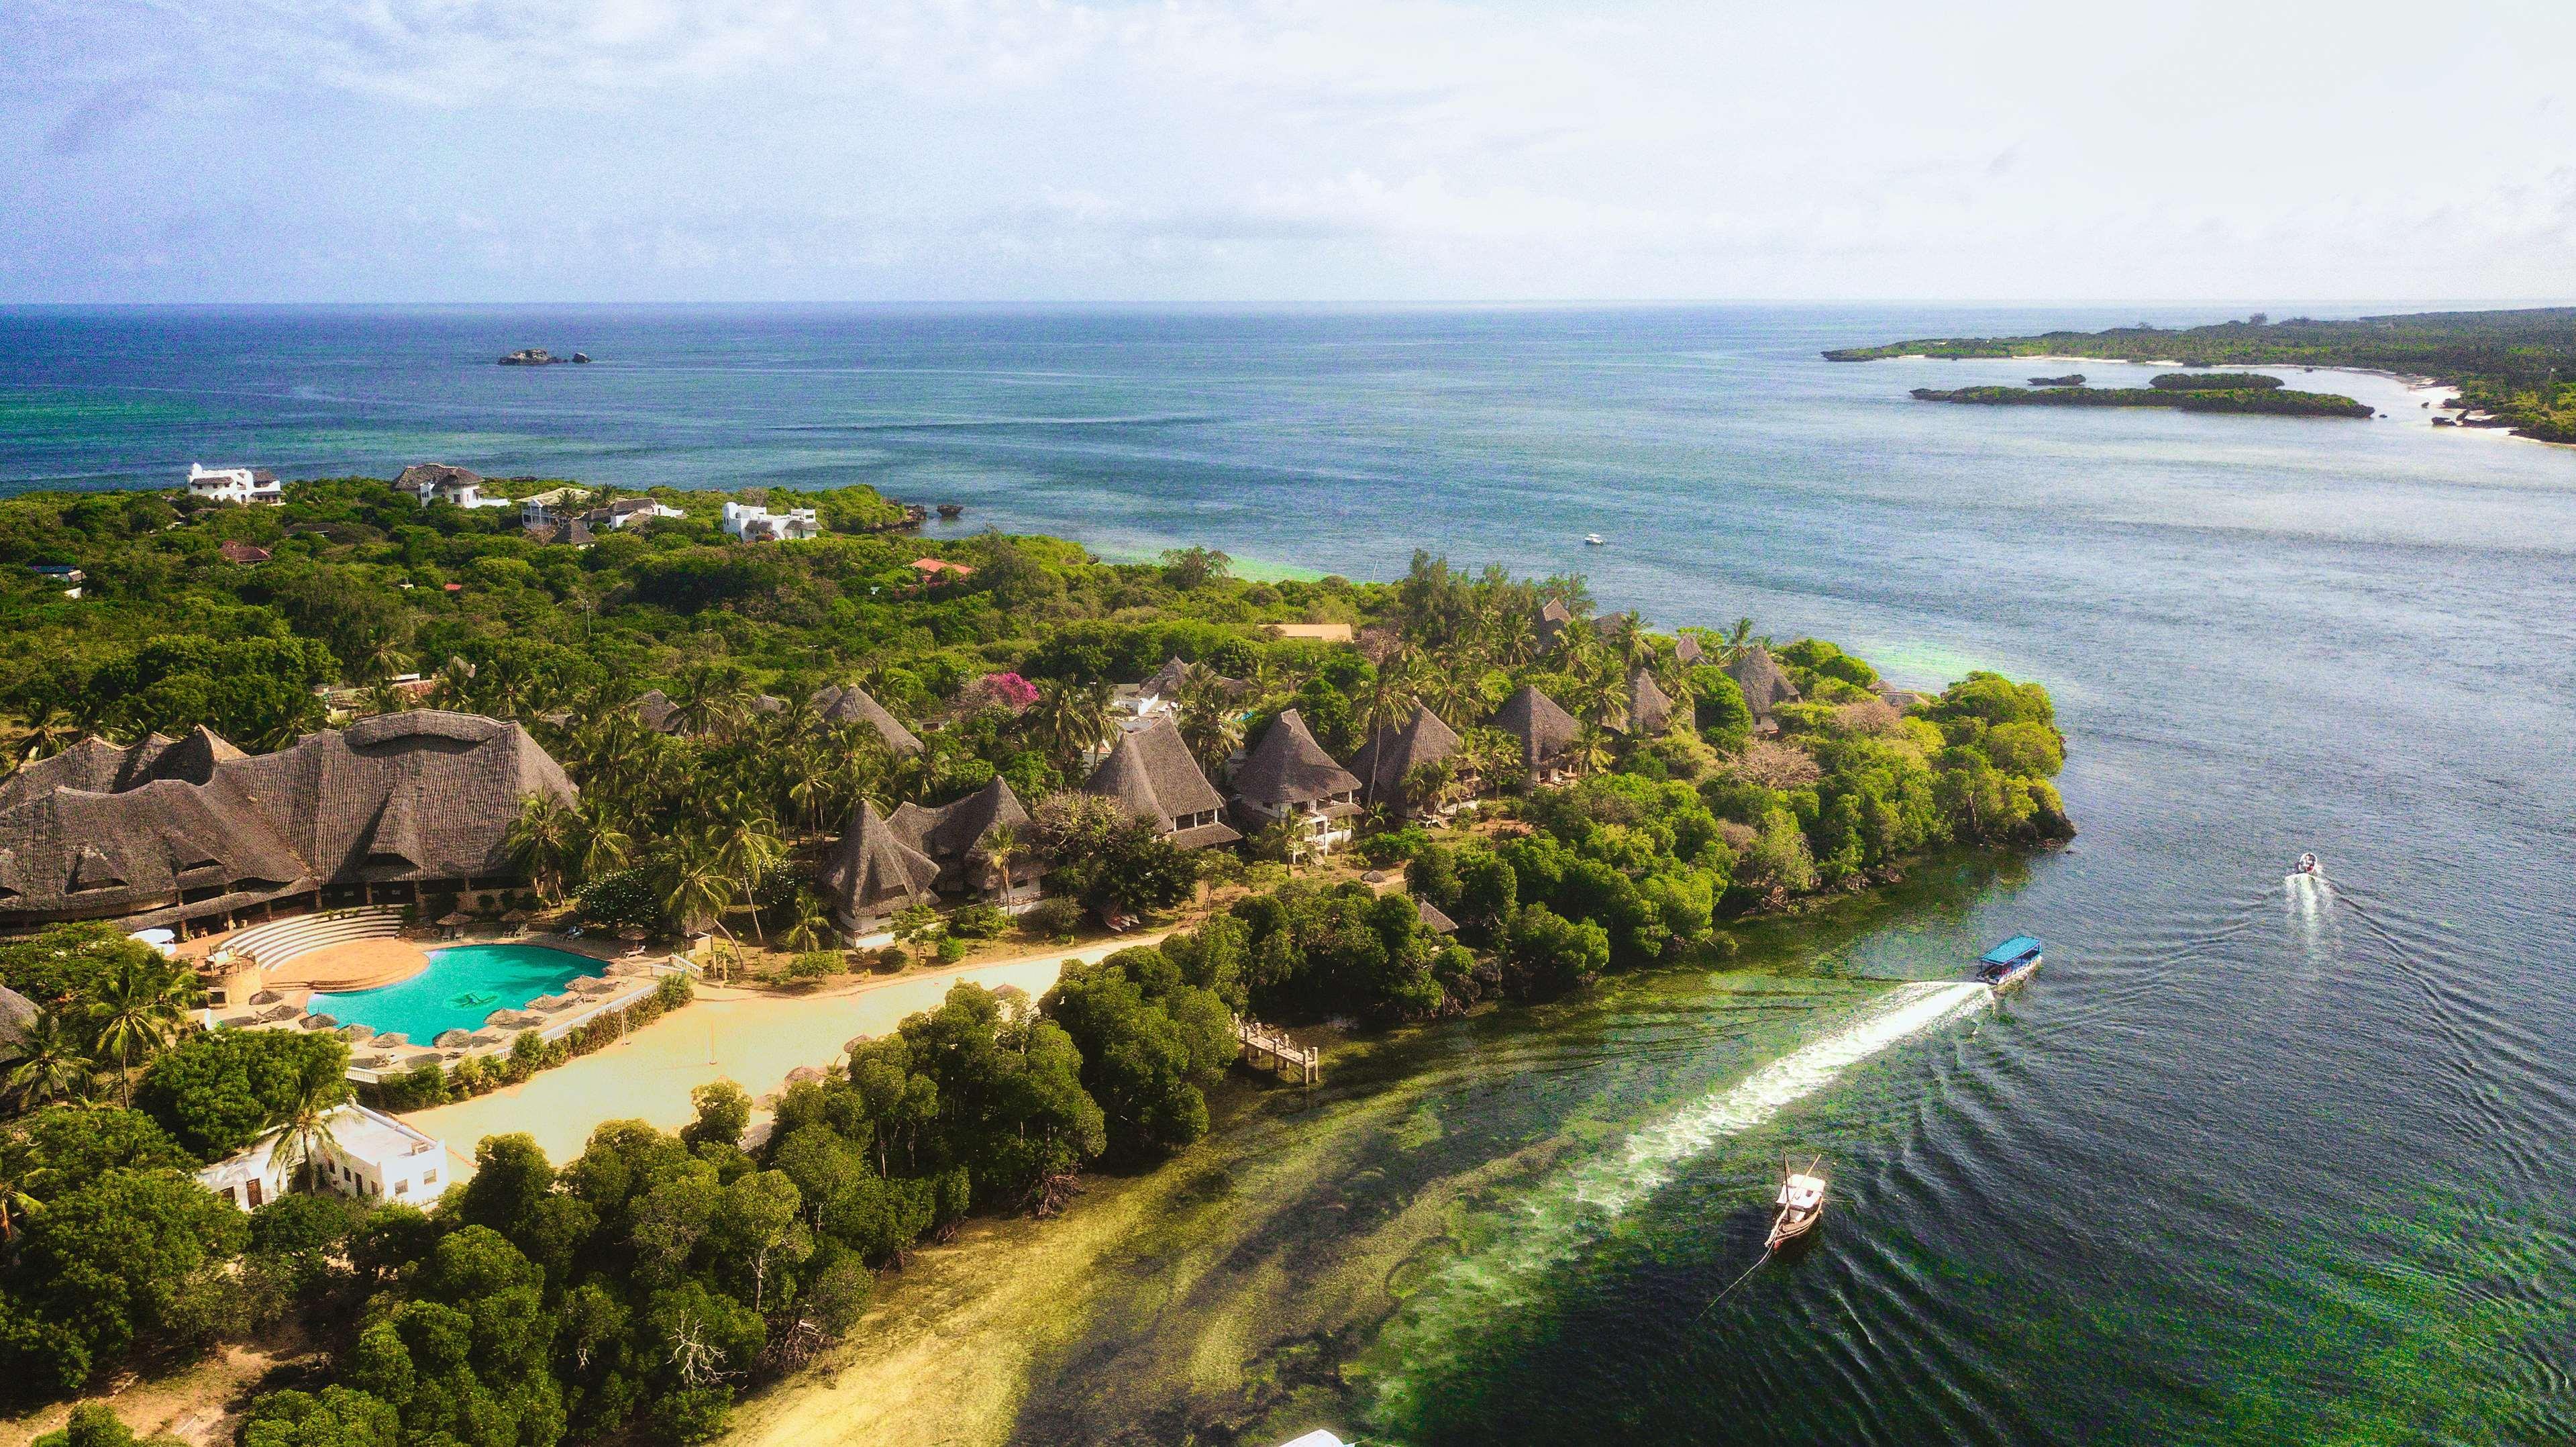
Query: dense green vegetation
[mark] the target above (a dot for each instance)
(2518, 366)
(2253, 400)
(2214, 381)
(638, 1288)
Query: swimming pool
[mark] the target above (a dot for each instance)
(462, 985)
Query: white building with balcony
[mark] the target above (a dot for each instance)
(369, 1156)
(234, 484)
(755, 524)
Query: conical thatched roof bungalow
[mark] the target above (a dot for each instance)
(1288, 771)
(871, 872)
(952, 836)
(1765, 686)
(839, 704)
(1553, 620)
(403, 798)
(1650, 710)
(1391, 753)
(1686, 650)
(1151, 774)
(657, 710)
(1544, 730)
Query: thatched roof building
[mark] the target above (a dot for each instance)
(1686, 650)
(851, 704)
(1650, 710)
(1393, 752)
(1288, 769)
(1765, 686)
(1544, 729)
(871, 872)
(1433, 917)
(105, 768)
(403, 798)
(1167, 680)
(1553, 620)
(657, 710)
(952, 836)
(1152, 775)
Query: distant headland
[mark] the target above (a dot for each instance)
(2513, 369)
(2180, 391)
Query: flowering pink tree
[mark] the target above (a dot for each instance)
(1009, 690)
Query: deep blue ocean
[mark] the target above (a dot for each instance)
(2249, 1162)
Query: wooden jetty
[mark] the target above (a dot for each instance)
(1270, 1049)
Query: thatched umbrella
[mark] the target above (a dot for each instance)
(266, 997)
(510, 1019)
(455, 919)
(320, 1022)
(372, 1062)
(516, 916)
(852, 1048)
(803, 1073)
(393, 1037)
(636, 934)
(357, 1032)
(548, 1002)
(595, 985)
(281, 1012)
(485, 1037)
(449, 1039)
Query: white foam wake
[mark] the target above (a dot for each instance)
(1560, 1217)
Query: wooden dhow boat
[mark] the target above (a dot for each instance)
(1801, 1202)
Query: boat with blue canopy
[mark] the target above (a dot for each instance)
(2009, 963)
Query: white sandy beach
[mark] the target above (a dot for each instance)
(751, 1038)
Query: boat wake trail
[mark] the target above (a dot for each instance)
(1559, 1218)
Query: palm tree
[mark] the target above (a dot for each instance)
(695, 889)
(15, 1205)
(1004, 847)
(1629, 642)
(136, 1012)
(599, 846)
(1591, 748)
(1737, 642)
(748, 848)
(1598, 696)
(1069, 720)
(1389, 699)
(811, 785)
(811, 928)
(1209, 723)
(44, 1064)
(544, 841)
(303, 1123)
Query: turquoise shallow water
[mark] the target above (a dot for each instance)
(2242, 1165)
(461, 986)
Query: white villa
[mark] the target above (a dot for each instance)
(439, 482)
(759, 524)
(626, 512)
(233, 484)
(369, 1156)
(550, 507)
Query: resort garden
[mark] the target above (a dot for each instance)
(1632, 793)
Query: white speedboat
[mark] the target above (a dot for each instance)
(1593, 540)
(2307, 865)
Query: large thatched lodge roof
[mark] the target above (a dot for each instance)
(872, 870)
(1395, 751)
(847, 705)
(1543, 728)
(1151, 774)
(164, 831)
(1289, 767)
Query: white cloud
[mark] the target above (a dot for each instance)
(656, 148)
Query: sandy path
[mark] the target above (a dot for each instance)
(752, 1039)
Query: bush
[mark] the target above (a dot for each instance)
(951, 949)
(978, 922)
(814, 965)
(1393, 847)
(890, 959)
(1053, 918)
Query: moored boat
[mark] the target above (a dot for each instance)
(2009, 963)
(1593, 540)
(1801, 1202)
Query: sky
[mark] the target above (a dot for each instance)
(1363, 150)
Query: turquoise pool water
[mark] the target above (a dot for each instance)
(461, 986)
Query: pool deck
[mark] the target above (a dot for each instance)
(751, 1037)
(357, 965)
